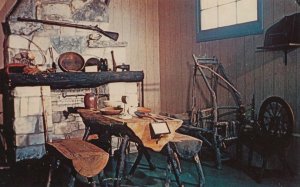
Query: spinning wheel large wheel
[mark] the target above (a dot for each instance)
(276, 119)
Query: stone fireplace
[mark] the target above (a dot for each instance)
(35, 104)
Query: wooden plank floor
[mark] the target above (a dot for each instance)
(34, 175)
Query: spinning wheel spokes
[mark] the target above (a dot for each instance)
(276, 117)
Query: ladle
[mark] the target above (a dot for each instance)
(142, 114)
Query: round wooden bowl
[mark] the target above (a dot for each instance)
(71, 62)
(111, 110)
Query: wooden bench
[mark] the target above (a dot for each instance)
(186, 147)
(82, 157)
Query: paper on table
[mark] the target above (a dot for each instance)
(160, 128)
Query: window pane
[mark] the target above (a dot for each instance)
(227, 14)
(222, 2)
(208, 4)
(219, 19)
(209, 18)
(246, 11)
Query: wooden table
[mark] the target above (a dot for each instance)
(135, 129)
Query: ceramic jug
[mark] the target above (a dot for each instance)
(90, 101)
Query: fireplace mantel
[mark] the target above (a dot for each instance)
(64, 80)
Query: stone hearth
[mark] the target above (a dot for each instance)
(38, 40)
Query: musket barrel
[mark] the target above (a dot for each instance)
(111, 35)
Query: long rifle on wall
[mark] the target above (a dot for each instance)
(112, 35)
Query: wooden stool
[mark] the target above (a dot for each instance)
(85, 158)
(186, 147)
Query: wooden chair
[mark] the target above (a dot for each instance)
(82, 157)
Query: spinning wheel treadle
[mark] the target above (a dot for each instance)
(276, 120)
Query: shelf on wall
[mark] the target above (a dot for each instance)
(284, 47)
(283, 35)
(64, 80)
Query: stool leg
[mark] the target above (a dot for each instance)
(91, 181)
(101, 177)
(52, 166)
(86, 133)
(168, 177)
(172, 161)
(199, 170)
(177, 162)
(72, 181)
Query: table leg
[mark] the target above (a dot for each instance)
(148, 158)
(137, 161)
(142, 151)
(121, 161)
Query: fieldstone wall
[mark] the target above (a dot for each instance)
(65, 124)
(28, 120)
(38, 40)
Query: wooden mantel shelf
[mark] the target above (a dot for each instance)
(63, 80)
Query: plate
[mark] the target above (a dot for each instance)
(111, 110)
(71, 62)
(110, 103)
(143, 109)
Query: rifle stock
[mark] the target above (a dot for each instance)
(112, 35)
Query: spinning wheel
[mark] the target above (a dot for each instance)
(275, 122)
(276, 119)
